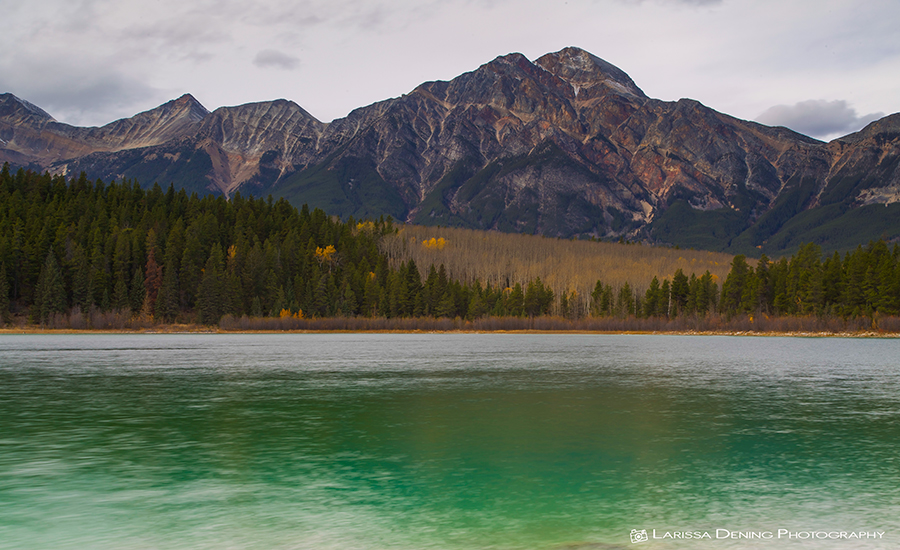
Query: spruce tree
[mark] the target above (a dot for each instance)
(50, 293)
(82, 293)
(211, 292)
(256, 307)
(680, 289)
(153, 274)
(477, 307)
(120, 300)
(516, 301)
(4, 296)
(137, 293)
(652, 298)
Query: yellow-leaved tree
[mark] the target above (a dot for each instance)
(325, 255)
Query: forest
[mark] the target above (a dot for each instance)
(86, 254)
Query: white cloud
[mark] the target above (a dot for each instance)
(818, 118)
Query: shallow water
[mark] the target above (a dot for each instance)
(447, 441)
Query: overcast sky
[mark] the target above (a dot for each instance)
(821, 67)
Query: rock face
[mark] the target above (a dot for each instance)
(566, 145)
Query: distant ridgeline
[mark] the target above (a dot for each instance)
(82, 254)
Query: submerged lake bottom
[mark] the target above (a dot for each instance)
(448, 441)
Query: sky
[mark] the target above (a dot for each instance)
(821, 67)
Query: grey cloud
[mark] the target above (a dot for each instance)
(180, 39)
(79, 95)
(274, 58)
(313, 13)
(818, 118)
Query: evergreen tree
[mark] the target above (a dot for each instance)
(764, 293)
(137, 293)
(4, 291)
(446, 307)
(50, 292)
(153, 274)
(596, 297)
(82, 293)
(370, 296)
(256, 307)
(665, 299)
(211, 291)
(191, 265)
(534, 298)
(167, 305)
(515, 305)
(321, 297)
(733, 289)
(477, 305)
(652, 299)
(680, 290)
(348, 301)
(99, 271)
(625, 301)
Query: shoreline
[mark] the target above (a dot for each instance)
(199, 329)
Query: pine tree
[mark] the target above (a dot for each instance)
(665, 299)
(50, 293)
(321, 297)
(211, 291)
(533, 300)
(256, 307)
(596, 297)
(764, 290)
(4, 292)
(733, 289)
(516, 301)
(477, 306)
(680, 289)
(167, 305)
(137, 293)
(82, 293)
(446, 307)
(652, 299)
(191, 265)
(153, 274)
(348, 302)
(625, 301)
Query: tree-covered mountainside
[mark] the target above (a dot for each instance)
(79, 253)
(566, 145)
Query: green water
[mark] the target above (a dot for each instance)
(367, 441)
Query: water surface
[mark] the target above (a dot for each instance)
(450, 441)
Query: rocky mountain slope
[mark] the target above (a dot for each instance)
(566, 145)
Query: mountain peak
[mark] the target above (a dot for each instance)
(583, 70)
(194, 108)
(13, 107)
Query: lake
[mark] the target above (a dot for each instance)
(448, 441)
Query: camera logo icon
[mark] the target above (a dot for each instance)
(639, 536)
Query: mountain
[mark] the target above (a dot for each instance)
(565, 145)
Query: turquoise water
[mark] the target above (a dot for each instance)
(429, 441)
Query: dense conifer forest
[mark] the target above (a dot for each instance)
(85, 254)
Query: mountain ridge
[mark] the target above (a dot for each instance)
(565, 145)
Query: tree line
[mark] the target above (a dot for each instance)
(568, 267)
(87, 250)
(90, 248)
(864, 282)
